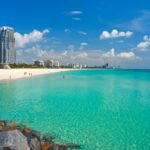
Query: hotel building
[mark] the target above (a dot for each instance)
(7, 41)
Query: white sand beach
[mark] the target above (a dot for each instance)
(11, 74)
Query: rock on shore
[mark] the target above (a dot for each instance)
(14, 140)
(14, 136)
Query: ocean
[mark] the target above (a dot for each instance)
(98, 109)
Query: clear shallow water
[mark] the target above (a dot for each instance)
(99, 109)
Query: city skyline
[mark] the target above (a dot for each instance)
(81, 31)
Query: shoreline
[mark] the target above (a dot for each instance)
(13, 74)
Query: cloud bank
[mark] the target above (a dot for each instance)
(144, 45)
(90, 57)
(34, 36)
(115, 34)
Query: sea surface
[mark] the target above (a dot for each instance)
(99, 109)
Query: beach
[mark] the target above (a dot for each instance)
(11, 74)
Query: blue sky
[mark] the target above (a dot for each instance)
(84, 31)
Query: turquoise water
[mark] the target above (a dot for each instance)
(99, 109)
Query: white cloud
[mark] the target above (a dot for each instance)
(109, 54)
(127, 55)
(115, 34)
(144, 45)
(67, 30)
(82, 55)
(34, 36)
(76, 18)
(76, 12)
(83, 44)
(122, 55)
(82, 33)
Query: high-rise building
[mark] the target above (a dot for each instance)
(7, 42)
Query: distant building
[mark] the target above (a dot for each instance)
(56, 63)
(80, 66)
(49, 63)
(105, 66)
(52, 63)
(72, 65)
(39, 63)
(84, 66)
(7, 42)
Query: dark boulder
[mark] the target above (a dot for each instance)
(34, 143)
(33, 139)
(60, 147)
(66, 146)
(47, 138)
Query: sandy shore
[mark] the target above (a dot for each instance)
(11, 74)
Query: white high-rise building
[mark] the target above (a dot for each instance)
(7, 42)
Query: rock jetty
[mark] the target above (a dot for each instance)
(16, 136)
